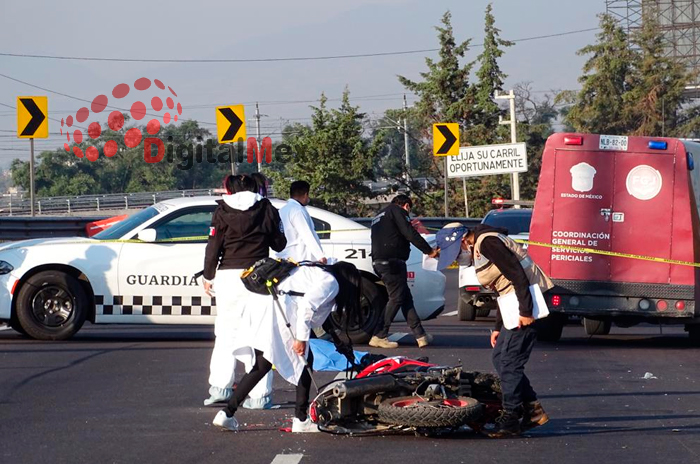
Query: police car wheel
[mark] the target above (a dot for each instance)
(466, 311)
(51, 305)
(372, 303)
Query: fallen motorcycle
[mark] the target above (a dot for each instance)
(398, 395)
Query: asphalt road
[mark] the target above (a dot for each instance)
(123, 394)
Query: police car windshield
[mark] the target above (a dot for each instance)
(119, 229)
(516, 221)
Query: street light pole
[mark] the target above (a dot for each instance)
(515, 179)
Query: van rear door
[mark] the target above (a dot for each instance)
(642, 216)
(581, 214)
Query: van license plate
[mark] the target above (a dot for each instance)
(613, 142)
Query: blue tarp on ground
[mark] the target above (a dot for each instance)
(327, 359)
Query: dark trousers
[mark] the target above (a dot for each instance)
(511, 353)
(394, 277)
(250, 380)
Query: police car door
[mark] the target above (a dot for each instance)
(156, 280)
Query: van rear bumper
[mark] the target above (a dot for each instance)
(590, 298)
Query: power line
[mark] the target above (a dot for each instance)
(74, 98)
(264, 60)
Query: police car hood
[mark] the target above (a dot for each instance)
(46, 241)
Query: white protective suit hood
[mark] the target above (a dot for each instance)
(242, 201)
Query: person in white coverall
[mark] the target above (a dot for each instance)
(228, 309)
(303, 243)
(324, 289)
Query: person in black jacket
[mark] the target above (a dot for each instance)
(244, 227)
(392, 236)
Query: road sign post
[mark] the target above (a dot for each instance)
(446, 143)
(32, 122)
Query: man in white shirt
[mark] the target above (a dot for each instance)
(303, 243)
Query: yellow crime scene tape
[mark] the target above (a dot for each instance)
(452, 266)
(610, 253)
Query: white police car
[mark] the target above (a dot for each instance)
(50, 287)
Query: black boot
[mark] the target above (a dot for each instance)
(533, 415)
(507, 425)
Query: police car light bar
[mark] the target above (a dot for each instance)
(657, 144)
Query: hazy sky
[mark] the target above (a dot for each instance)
(212, 29)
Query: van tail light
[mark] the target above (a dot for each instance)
(680, 305)
(661, 305)
(657, 144)
(497, 201)
(573, 140)
(556, 300)
(473, 289)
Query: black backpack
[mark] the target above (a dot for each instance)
(271, 270)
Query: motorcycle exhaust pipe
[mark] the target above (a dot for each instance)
(364, 386)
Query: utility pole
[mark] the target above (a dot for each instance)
(257, 131)
(405, 137)
(515, 179)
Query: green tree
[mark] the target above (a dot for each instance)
(656, 95)
(62, 173)
(333, 156)
(490, 79)
(599, 107)
(445, 95)
(630, 86)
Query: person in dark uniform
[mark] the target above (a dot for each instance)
(392, 236)
(504, 266)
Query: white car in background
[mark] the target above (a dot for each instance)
(52, 286)
(474, 299)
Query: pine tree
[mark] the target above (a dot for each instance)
(599, 106)
(490, 79)
(333, 156)
(445, 95)
(658, 81)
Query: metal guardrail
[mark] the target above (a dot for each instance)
(19, 205)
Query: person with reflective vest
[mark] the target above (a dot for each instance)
(504, 266)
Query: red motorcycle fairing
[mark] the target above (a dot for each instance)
(394, 364)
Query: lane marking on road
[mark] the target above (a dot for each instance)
(5, 327)
(287, 459)
(451, 313)
(397, 336)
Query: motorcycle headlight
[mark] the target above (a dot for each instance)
(5, 267)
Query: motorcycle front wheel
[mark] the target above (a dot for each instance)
(413, 411)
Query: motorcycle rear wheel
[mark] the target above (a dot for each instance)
(412, 411)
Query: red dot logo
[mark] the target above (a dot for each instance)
(116, 119)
